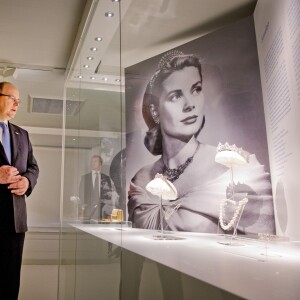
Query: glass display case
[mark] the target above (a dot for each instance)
(154, 102)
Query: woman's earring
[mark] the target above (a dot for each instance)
(155, 117)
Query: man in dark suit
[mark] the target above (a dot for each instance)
(95, 191)
(18, 176)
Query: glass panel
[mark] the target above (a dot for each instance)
(91, 195)
(205, 217)
(179, 107)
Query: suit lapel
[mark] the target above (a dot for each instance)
(15, 138)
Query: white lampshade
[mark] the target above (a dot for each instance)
(230, 158)
(162, 187)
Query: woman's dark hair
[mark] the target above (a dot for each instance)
(169, 63)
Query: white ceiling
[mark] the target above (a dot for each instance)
(47, 42)
(39, 32)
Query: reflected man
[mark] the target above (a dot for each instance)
(96, 192)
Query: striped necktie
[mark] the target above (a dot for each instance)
(6, 140)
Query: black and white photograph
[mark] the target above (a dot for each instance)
(182, 108)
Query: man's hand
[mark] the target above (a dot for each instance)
(20, 187)
(9, 174)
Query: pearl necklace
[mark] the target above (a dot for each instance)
(173, 174)
(237, 212)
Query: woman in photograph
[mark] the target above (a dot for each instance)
(174, 111)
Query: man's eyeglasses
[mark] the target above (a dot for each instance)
(11, 97)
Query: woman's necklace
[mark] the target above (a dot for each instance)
(173, 174)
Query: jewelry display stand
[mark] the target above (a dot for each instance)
(236, 210)
(116, 218)
(231, 209)
(162, 187)
(266, 250)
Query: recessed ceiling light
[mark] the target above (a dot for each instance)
(73, 139)
(93, 77)
(90, 58)
(118, 80)
(109, 14)
(93, 49)
(86, 66)
(78, 76)
(115, 0)
(104, 78)
(98, 38)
